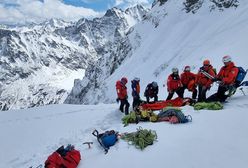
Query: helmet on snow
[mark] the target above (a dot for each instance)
(174, 70)
(206, 62)
(187, 68)
(154, 84)
(124, 80)
(226, 59)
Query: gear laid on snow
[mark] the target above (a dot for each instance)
(64, 157)
(177, 102)
(208, 106)
(141, 138)
(106, 139)
(141, 115)
(173, 115)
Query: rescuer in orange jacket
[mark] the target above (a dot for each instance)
(174, 84)
(226, 78)
(204, 82)
(188, 80)
(121, 90)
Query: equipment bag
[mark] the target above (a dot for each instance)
(167, 113)
(66, 157)
(106, 139)
(241, 75)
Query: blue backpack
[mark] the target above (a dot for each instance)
(106, 139)
(241, 75)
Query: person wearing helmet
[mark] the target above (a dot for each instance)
(203, 81)
(174, 84)
(121, 90)
(188, 80)
(226, 77)
(151, 92)
(136, 92)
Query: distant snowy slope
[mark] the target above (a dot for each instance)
(35, 60)
(172, 34)
(214, 139)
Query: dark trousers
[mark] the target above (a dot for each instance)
(124, 103)
(155, 98)
(136, 103)
(179, 92)
(194, 92)
(202, 93)
(220, 95)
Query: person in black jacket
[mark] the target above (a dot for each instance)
(136, 92)
(151, 91)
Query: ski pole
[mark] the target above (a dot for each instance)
(242, 91)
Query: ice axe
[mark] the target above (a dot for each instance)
(88, 143)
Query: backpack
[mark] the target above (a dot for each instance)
(170, 112)
(241, 75)
(64, 157)
(106, 139)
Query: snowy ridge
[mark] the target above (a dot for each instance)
(56, 51)
(169, 36)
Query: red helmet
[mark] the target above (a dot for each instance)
(124, 80)
(187, 68)
(206, 62)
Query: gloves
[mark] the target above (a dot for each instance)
(117, 100)
(221, 83)
(215, 79)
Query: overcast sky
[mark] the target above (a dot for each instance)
(22, 11)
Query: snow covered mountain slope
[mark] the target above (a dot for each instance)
(177, 33)
(214, 139)
(38, 63)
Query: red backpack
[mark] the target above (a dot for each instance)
(64, 158)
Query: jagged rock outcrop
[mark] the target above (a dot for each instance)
(35, 59)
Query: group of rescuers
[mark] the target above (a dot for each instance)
(178, 83)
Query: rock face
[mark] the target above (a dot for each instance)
(95, 88)
(35, 60)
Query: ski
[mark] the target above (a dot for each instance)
(206, 74)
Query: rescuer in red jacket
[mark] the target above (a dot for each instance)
(226, 78)
(203, 81)
(174, 84)
(188, 80)
(121, 90)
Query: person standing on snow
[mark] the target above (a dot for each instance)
(174, 84)
(204, 82)
(135, 92)
(151, 92)
(188, 80)
(121, 90)
(226, 78)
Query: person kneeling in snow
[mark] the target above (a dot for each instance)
(151, 92)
